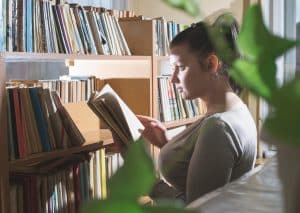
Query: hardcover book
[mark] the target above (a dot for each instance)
(110, 108)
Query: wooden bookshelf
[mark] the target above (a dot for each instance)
(129, 70)
(14, 56)
(4, 174)
(133, 77)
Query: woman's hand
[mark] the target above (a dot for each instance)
(155, 131)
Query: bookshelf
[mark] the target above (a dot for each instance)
(125, 73)
(134, 77)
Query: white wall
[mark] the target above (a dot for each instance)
(157, 8)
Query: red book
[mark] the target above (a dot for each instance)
(20, 124)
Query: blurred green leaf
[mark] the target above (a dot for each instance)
(168, 206)
(189, 6)
(220, 30)
(111, 206)
(131, 181)
(222, 48)
(259, 48)
(136, 177)
(255, 41)
(248, 76)
(284, 121)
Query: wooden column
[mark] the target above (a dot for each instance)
(4, 180)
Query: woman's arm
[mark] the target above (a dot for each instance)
(212, 161)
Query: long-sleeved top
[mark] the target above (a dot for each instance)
(210, 153)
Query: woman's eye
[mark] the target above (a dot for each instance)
(181, 68)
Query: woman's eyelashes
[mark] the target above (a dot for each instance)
(181, 68)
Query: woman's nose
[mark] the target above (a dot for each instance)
(174, 78)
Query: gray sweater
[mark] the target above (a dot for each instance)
(211, 152)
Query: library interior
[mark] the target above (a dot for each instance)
(149, 106)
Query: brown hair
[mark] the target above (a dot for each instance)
(198, 39)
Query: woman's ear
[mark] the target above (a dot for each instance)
(212, 63)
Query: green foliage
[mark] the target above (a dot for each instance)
(130, 182)
(284, 120)
(248, 74)
(189, 6)
(136, 175)
(257, 70)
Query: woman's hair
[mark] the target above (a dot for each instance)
(198, 39)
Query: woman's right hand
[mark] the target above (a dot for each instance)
(155, 131)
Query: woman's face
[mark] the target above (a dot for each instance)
(192, 78)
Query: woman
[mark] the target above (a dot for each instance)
(219, 147)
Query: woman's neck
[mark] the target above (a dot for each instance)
(221, 100)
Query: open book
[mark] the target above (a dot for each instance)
(110, 108)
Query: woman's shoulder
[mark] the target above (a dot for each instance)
(238, 120)
(213, 123)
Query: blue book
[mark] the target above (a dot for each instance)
(3, 25)
(39, 117)
(29, 34)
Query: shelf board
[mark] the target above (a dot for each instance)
(95, 140)
(177, 123)
(17, 56)
(162, 58)
(47, 156)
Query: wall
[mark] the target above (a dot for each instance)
(157, 8)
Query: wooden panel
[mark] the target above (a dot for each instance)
(113, 68)
(140, 36)
(85, 119)
(135, 92)
(4, 183)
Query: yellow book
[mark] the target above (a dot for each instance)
(103, 174)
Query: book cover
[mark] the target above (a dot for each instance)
(12, 134)
(74, 134)
(109, 107)
(21, 137)
(40, 120)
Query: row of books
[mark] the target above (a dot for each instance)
(120, 13)
(38, 122)
(172, 106)
(44, 26)
(64, 188)
(114, 161)
(165, 31)
(71, 89)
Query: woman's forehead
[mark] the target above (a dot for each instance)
(179, 53)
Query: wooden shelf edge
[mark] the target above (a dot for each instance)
(162, 58)
(182, 122)
(46, 156)
(16, 56)
(94, 140)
